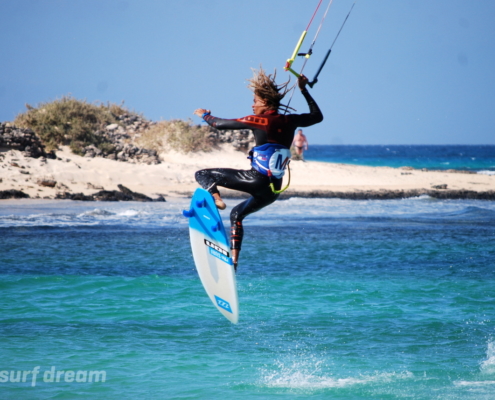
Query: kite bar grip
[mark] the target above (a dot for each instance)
(296, 50)
(315, 79)
(294, 72)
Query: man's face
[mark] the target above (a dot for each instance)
(259, 106)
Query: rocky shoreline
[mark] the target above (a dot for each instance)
(381, 194)
(123, 194)
(24, 140)
(395, 194)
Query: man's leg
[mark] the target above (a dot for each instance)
(238, 214)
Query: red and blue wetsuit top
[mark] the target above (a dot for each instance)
(272, 132)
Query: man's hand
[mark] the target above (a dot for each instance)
(302, 81)
(200, 111)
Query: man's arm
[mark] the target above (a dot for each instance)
(220, 123)
(314, 116)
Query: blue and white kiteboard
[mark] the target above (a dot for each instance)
(211, 253)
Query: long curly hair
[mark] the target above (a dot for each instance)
(264, 87)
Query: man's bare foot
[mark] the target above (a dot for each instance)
(219, 202)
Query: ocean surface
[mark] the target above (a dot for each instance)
(339, 299)
(475, 158)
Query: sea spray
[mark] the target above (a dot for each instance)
(488, 365)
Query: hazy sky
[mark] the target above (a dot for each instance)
(401, 72)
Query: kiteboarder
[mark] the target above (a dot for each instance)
(273, 134)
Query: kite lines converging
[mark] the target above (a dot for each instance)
(307, 55)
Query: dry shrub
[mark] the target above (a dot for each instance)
(69, 121)
(179, 135)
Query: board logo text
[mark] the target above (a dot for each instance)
(217, 248)
(223, 304)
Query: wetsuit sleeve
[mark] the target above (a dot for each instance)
(313, 117)
(220, 123)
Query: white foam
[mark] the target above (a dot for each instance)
(130, 213)
(61, 213)
(96, 213)
(486, 172)
(488, 366)
(299, 210)
(474, 383)
(307, 375)
(291, 211)
(299, 380)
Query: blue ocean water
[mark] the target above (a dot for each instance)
(479, 158)
(338, 299)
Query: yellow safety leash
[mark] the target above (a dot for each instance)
(272, 186)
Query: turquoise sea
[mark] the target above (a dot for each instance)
(476, 158)
(339, 299)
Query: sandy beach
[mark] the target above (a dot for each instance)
(175, 175)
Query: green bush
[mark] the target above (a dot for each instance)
(69, 121)
(78, 124)
(179, 135)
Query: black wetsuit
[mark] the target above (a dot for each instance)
(270, 127)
